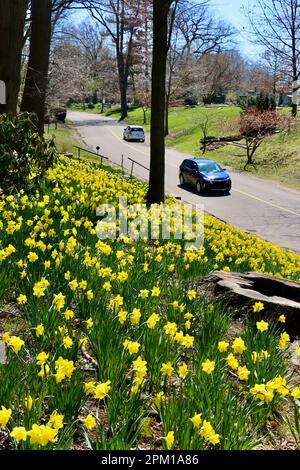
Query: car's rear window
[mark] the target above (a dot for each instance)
(137, 129)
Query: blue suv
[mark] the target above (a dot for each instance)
(204, 175)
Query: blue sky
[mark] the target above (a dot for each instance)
(231, 11)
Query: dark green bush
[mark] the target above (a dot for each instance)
(24, 155)
(262, 102)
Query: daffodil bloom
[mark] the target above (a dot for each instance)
(89, 323)
(5, 414)
(68, 314)
(152, 321)
(208, 433)
(158, 398)
(135, 316)
(32, 257)
(42, 358)
(19, 433)
(169, 439)
(155, 292)
(296, 393)
(262, 392)
(284, 339)
(170, 328)
(243, 373)
(131, 346)
(39, 330)
(223, 346)
(262, 325)
(89, 387)
(192, 294)
(167, 369)
(56, 420)
(144, 293)
(196, 420)
(101, 390)
(238, 345)
(183, 371)
(59, 301)
(282, 319)
(89, 295)
(42, 434)
(232, 361)
(258, 307)
(6, 337)
(15, 343)
(64, 369)
(122, 316)
(67, 342)
(208, 366)
(89, 422)
(22, 299)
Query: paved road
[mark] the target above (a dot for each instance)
(256, 206)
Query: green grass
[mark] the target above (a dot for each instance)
(66, 138)
(278, 158)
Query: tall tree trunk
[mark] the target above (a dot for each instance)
(294, 63)
(124, 110)
(123, 85)
(156, 191)
(12, 20)
(37, 72)
(167, 114)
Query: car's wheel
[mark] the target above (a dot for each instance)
(199, 187)
(181, 180)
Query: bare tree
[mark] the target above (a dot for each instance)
(276, 26)
(193, 31)
(37, 72)
(121, 19)
(156, 190)
(12, 20)
(255, 126)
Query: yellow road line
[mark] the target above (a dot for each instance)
(266, 202)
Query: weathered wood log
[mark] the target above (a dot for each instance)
(242, 290)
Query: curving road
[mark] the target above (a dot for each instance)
(254, 205)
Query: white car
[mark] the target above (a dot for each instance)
(134, 133)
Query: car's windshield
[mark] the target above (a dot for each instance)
(209, 167)
(136, 129)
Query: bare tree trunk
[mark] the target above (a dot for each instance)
(124, 109)
(167, 114)
(37, 72)
(12, 20)
(102, 103)
(156, 191)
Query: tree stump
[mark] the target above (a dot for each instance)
(242, 290)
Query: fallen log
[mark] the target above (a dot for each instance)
(243, 290)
